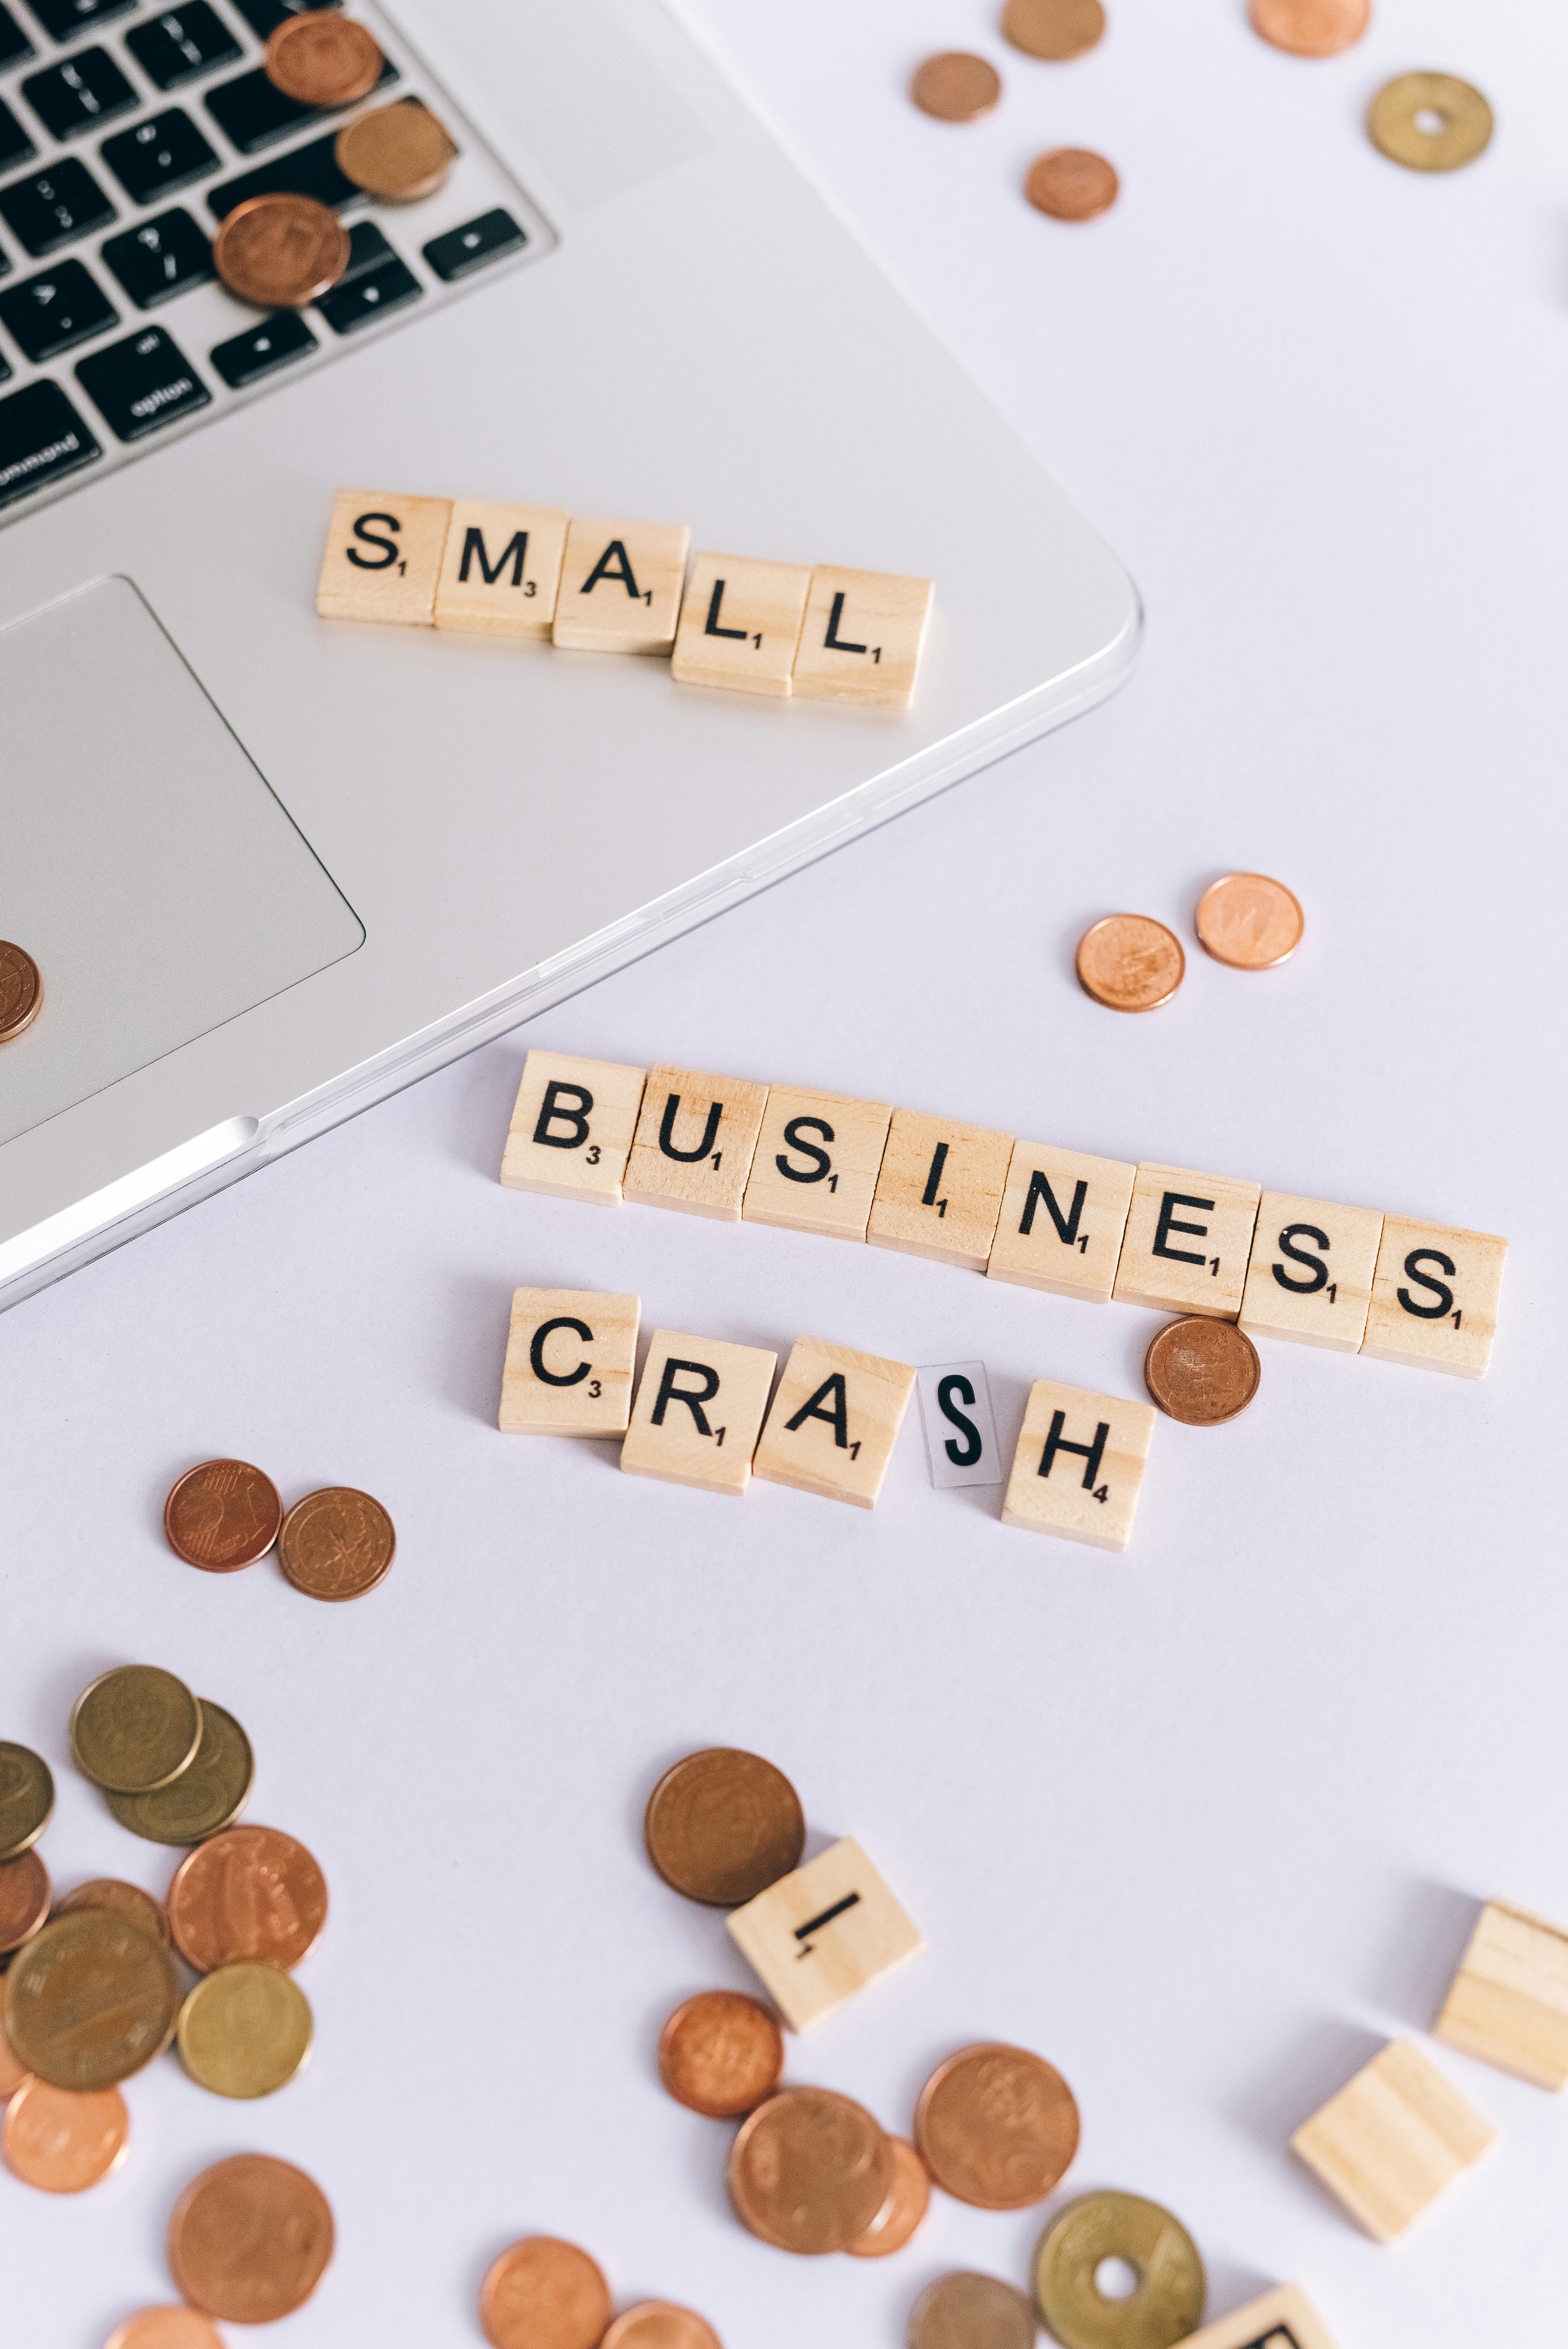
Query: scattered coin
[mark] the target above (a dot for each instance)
(135, 1728)
(126, 1901)
(21, 991)
(1165, 2307)
(956, 87)
(1249, 921)
(1129, 963)
(398, 152)
(810, 2171)
(1429, 122)
(323, 58)
(164, 2328)
(23, 1900)
(723, 1824)
(1053, 29)
(90, 2001)
(903, 2215)
(1072, 184)
(660, 2324)
(12, 2073)
(964, 2311)
(26, 1798)
(542, 2293)
(336, 1544)
(60, 2143)
(997, 2126)
(245, 2031)
(1201, 1370)
(225, 1514)
(721, 2053)
(281, 251)
(250, 1892)
(1311, 28)
(205, 1799)
(250, 2239)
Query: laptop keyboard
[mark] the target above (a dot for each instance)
(127, 133)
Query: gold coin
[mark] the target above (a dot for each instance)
(135, 1728)
(1053, 29)
(1429, 122)
(1249, 921)
(336, 1544)
(542, 2293)
(1202, 1370)
(164, 2328)
(810, 2171)
(245, 2031)
(1129, 963)
(281, 251)
(1072, 184)
(660, 2324)
(60, 2143)
(903, 2215)
(250, 2239)
(323, 58)
(723, 1824)
(398, 152)
(1311, 28)
(956, 87)
(205, 1799)
(23, 1900)
(1165, 2305)
(26, 1798)
(90, 2001)
(21, 991)
(965, 2310)
(997, 2126)
(126, 1901)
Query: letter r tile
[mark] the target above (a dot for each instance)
(699, 1407)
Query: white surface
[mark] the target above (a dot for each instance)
(1202, 1824)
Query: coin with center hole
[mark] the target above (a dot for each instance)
(1202, 1370)
(26, 1798)
(723, 1824)
(135, 1728)
(966, 2311)
(1166, 2304)
(21, 991)
(1055, 30)
(1429, 122)
(1311, 28)
(956, 87)
(224, 1515)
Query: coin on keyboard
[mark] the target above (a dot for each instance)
(903, 2215)
(23, 1900)
(281, 251)
(1053, 29)
(956, 87)
(63, 2144)
(323, 58)
(250, 1892)
(205, 1799)
(90, 2001)
(26, 1798)
(999, 2127)
(1201, 1370)
(1164, 2306)
(965, 2310)
(1311, 28)
(1129, 964)
(250, 2239)
(398, 152)
(543, 2293)
(1072, 184)
(660, 2324)
(336, 1544)
(135, 1728)
(126, 1901)
(720, 2054)
(21, 991)
(164, 2328)
(810, 2171)
(723, 1824)
(224, 1514)
(1249, 921)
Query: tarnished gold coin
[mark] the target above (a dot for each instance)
(1311, 28)
(1202, 1370)
(281, 251)
(956, 87)
(165, 2328)
(723, 1824)
(1165, 2305)
(720, 2054)
(810, 2171)
(224, 1515)
(250, 2240)
(126, 1901)
(336, 1544)
(205, 1799)
(398, 152)
(26, 1798)
(965, 2310)
(542, 2293)
(245, 2031)
(1249, 921)
(135, 1728)
(1072, 184)
(1053, 29)
(23, 1900)
(1129, 963)
(903, 2215)
(660, 2324)
(60, 2143)
(997, 2126)
(250, 1892)
(21, 991)
(323, 58)
(90, 2001)
(1429, 122)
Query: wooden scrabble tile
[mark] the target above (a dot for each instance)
(1283, 2319)
(571, 1356)
(1062, 1219)
(1509, 2001)
(621, 585)
(940, 1189)
(740, 622)
(501, 569)
(1310, 1276)
(834, 1421)
(1188, 1242)
(695, 1143)
(816, 1163)
(699, 1407)
(861, 636)
(1434, 1297)
(571, 1128)
(1078, 1465)
(1389, 2144)
(383, 557)
(818, 1937)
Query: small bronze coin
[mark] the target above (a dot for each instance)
(1165, 2305)
(1129, 963)
(135, 1728)
(250, 1892)
(250, 2240)
(23, 1900)
(205, 1799)
(956, 87)
(26, 1798)
(721, 2053)
(965, 2310)
(128, 1902)
(245, 2031)
(398, 152)
(660, 2324)
(165, 2328)
(1311, 28)
(810, 2171)
(1053, 29)
(1201, 1370)
(723, 1824)
(21, 991)
(225, 1514)
(336, 1544)
(1249, 921)
(997, 2126)
(1072, 184)
(323, 58)
(542, 2293)
(63, 2144)
(90, 2001)
(12, 2073)
(281, 251)
(903, 2215)
(1429, 122)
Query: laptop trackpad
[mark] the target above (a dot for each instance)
(144, 863)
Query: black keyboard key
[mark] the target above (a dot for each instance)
(64, 19)
(252, 112)
(176, 48)
(56, 311)
(161, 258)
(264, 16)
(42, 439)
(277, 342)
(51, 207)
(5, 368)
(309, 170)
(363, 296)
(17, 145)
(79, 95)
(142, 384)
(15, 44)
(158, 157)
(474, 245)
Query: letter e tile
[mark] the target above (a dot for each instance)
(1188, 1243)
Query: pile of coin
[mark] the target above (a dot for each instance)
(334, 1544)
(543, 2293)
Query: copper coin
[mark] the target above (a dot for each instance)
(724, 1824)
(810, 2171)
(998, 2126)
(60, 2143)
(721, 2053)
(21, 991)
(12, 2073)
(1311, 28)
(1053, 29)
(956, 87)
(26, 1798)
(165, 2328)
(903, 2215)
(1249, 921)
(250, 2240)
(336, 1544)
(23, 1900)
(1129, 963)
(225, 1514)
(1072, 184)
(1201, 1370)
(398, 152)
(542, 2293)
(1429, 122)
(323, 58)
(660, 2324)
(126, 1901)
(251, 1892)
(281, 251)
(965, 2310)
(90, 2001)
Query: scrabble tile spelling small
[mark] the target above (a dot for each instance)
(834, 1421)
(1392, 2140)
(571, 1355)
(818, 1937)
(1079, 1466)
(1188, 1243)
(621, 585)
(861, 638)
(1509, 2001)
(739, 624)
(699, 1412)
(1283, 2319)
(571, 1128)
(1310, 1278)
(502, 570)
(816, 1163)
(1434, 1297)
(695, 1143)
(940, 1189)
(1062, 1220)
(383, 558)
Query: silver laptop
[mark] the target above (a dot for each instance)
(271, 867)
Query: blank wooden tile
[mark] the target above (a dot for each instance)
(501, 569)
(940, 1189)
(1392, 2141)
(696, 1139)
(1283, 2319)
(861, 638)
(1509, 2001)
(740, 622)
(816, 1163)
(834, 1421)
(1079, 1466)
(1310, 1278)
(571, 1128)
(699, 1406)
(571, 1357)
(1062, 1219)
(1188, 1242)
(621, 585)
(1434, 1297)
(818, 1937)
(383, 558)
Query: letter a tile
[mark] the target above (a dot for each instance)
(739, 624)
(1434, 1297)
(383, 558)
(1283, 2319)
(571, 1128)
(570, 1360)
(834, 1421)
(820, 1935)
(1079, 1466)
(621, 585)
(699, 1406)
(696, 1139)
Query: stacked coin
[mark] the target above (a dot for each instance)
(543, 2293)
(334, 1544)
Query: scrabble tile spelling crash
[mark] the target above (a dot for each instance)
(383, 558)
(1079, 1466)
(699, 1412)
(571, 1128)
(834, 1421)
(820, 1935)
(570, 1354)
(1389, 2143)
